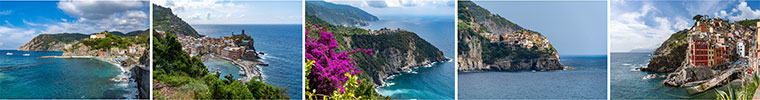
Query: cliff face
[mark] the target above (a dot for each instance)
(490, 42)
(670, 54)
(396, 52)
(337, 14)
(52, 42)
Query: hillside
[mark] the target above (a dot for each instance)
(490, 42)
(165, 20)
(52, 42)
(395, 50)
(483, 19)
(671, 54)
(62, 41)
(338, 14)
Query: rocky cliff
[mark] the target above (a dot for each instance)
(395, 51)
(52, 42)
(490, 42)
(671, 56)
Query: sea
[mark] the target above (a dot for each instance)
(628, 83)
(587, 81)
(435, 81)
(282, 44)
(26, 77)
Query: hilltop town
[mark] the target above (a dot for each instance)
(712, 53)
(524, 38)
(490, 42)
(236, 48)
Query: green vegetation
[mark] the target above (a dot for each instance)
(360, 38)
(748, 22)
(62, 37)
(746, 92)
(470, 13)
(337, 14)
(176, 68)
(112, 40)
(165, 20)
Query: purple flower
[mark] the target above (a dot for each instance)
(330, 66)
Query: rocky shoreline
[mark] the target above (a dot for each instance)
(250, 67)
(405, 70)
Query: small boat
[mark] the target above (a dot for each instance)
(241, 73)
(8, 53)
(26, 54)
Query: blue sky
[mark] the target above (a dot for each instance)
(236, 12)
(403, 7)
(645, 25)
(573, 28)
(22, 21)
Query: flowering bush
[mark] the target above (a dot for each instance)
(330, 70)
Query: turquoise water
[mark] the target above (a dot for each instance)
(434, 82)
(282, 45)
(587, 81)
(225, 67)
(627, 83)
(29, 77)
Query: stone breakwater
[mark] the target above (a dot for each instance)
(250, 67)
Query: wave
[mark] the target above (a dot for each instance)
(626, 64)
(125, 82)
(391, 93)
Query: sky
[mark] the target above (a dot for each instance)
(644, 25)
(403, 7)
(573, 28)
(20, 21)
(236, 12)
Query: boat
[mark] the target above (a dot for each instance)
(26, 54)
(241, 73)
(8, 53)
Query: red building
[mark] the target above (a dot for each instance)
(698, 54)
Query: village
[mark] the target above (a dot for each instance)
(715, 41)
(718, 53)
(238, 49)
(524, 38)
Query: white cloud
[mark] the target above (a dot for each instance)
(30, 23)
(630, 30)
(6, 12)
(741, 12)
(8, 23)
(205, 11)
(95, 16)
(97, 10)
(14, 37)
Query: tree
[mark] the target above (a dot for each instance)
(697, 17)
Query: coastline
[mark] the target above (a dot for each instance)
(405, 71)
(244, 65)
(124, 78)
